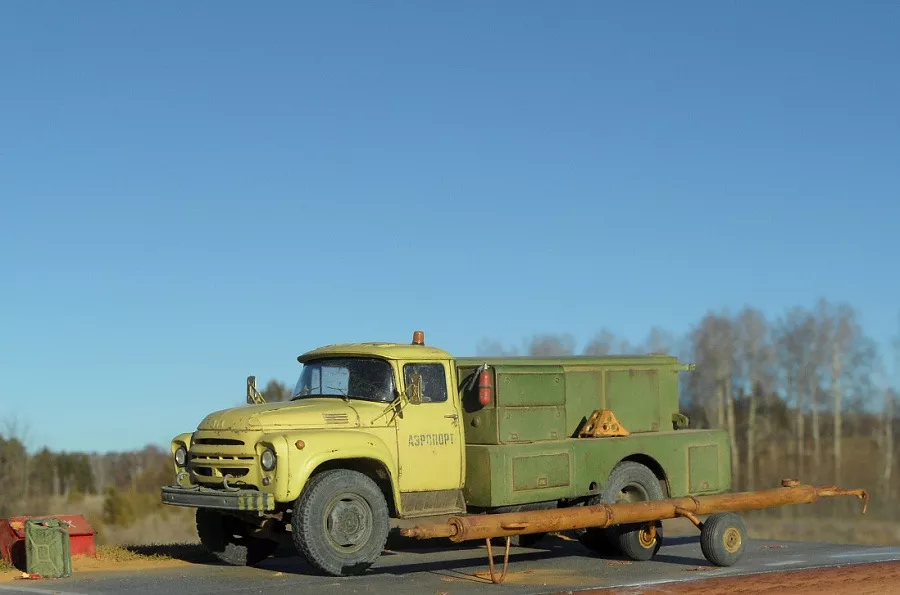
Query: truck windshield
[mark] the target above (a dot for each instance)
(369, 379)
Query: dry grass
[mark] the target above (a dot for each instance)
(118, 553)
(186, 552)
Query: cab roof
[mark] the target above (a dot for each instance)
(384, 350)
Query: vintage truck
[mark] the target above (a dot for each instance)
(379, 432)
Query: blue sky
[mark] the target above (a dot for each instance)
(194, 192)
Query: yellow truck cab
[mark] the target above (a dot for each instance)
(381, 431)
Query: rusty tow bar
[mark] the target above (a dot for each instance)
(487, 526)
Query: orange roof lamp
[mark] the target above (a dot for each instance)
(418, 338)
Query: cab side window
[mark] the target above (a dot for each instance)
(434, 381)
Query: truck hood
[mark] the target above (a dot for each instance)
(305, 413)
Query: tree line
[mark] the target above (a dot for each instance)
(805, 394)
(29, 482)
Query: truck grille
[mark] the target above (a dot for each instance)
(220, 466)
(212, 457)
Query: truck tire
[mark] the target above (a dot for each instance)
(629, 482)
(597, 540)
(340, 522)
(225, 538)
(633, 482)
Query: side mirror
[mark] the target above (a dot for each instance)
(253, 396)
(414, 390)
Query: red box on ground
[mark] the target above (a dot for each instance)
(12, 536)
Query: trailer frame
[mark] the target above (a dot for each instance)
(723, 534)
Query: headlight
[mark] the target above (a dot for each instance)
(267, 460)
(180, 456)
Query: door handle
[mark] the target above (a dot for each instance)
(452, 416)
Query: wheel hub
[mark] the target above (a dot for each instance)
(647, 535)
(348, 523)
(732, 540)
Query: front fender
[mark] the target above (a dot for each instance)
(323, 446)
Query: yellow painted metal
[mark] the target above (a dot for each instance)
(390, 351)
(430, 440)
(602, 422)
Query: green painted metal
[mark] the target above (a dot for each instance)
(47, 548)
(523, 446)
(536, 400)
(700, 460)
(510, 474)
(538, 471)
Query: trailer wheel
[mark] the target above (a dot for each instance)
(224, 536)
(723, 538)
(341, 522)
(633, 482)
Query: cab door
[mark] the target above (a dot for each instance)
(430, 440)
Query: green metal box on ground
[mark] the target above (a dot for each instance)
(47, 548)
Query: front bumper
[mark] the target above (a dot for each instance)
(230, 499)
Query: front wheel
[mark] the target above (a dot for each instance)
(341, 522)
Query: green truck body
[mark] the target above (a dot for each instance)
(523, 447)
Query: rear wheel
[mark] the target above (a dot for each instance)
(341, 522)
(599, 541)
(629, 482)
(226, 537)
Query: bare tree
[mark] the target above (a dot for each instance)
(845, 348)
(713, 341)
(887, 434)
(753, 357)
(603, 343)
(551, 345)
(660, 341)
(493, 348)
(795, 336)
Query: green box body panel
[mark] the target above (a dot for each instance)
(695, 462)
(47, 548)
(523, 446)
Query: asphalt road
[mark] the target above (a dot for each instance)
(555, 566)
